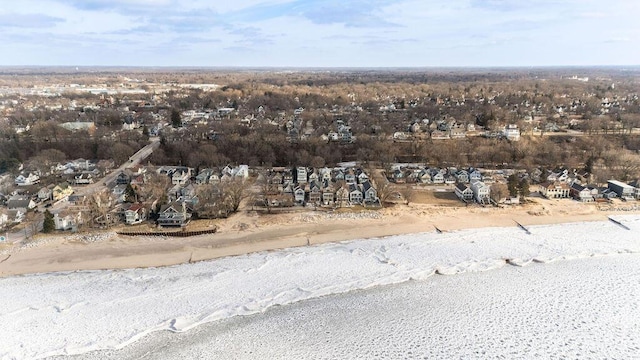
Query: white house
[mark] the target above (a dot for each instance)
(464, 192)
(298, 194)
(355, 195)
(68, 222)
(370, 193)
(27, 180)
(301, 175)
(135, 214)
(481, 192)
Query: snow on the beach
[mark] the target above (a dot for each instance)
(77, 312)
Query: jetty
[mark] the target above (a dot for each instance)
(619, 224)
(522, 227)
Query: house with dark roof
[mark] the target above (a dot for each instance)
(580, 193)
(464, 192)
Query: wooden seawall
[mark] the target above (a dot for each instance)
(168, 233)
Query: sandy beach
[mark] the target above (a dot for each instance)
(248, 232)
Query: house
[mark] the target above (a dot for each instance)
(16, 215)
(119, 192)
(328, 195)
(464, 192)
(462, 176)
(437, 177)
(450, 179)
(580, 193)
(67, 222)
(301, 175)
(624, 191)
(315, 193)
(595, 192)
(203, 176)
(424, 177)
(123, 178)
(481, 192)
(338, 175)
(608, 194)
(556, 190)
(398, 176)
(180, 177)
(299, 195)
(355, 194)
(135, 214)
(350, 177)
(62, 191)
(20, 202)
(27, 180)
(325, 174)
(475, 175)
(561, 176)
(370, 193)
(241, 171)
(45, 194)
(173, 214)
(362, 176)
(83, 179)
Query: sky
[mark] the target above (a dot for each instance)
(312, 33)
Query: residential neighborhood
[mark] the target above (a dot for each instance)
(130, 150)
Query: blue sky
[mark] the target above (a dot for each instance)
(330, 33)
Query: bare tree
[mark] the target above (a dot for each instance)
(499, 192)
(384, 189)
(155, 186)
(408, 193)
(234, 192)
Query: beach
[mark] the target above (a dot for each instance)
(248, 232)
(113, 310)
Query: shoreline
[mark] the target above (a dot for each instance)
(246, 233)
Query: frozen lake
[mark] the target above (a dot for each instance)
(576, 309)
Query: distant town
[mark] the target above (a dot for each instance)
(96, 150)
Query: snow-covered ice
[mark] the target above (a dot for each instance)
(73, 313)
(578, 309)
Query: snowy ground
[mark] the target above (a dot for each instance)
(74, 313)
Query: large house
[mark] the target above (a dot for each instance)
(68, 222)
(556, 190)
(581, 193)
(62, 191)
(135, 214)
(464, 192)
(174, 214)
(481, 192)
(624, 191)
(27, 180)
(20, 202)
